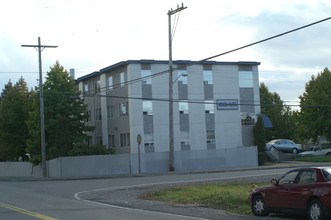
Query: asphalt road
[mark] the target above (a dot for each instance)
(115, 198)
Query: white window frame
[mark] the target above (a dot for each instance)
(124, 109)
(183, 107)
(209, 107)
(147, 107)
(208, 77)
(245, 79)
(147, 80)
(125, 140)
(110, 83)
(122, 79)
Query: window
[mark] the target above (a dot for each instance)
(148, 139)
(245, 79)
(183, 107)
(85, 89)
(289, 178)
(88, 115)
(327, 173)
(97, 86)
(125, 139)
(145, 74)
(110, 83)
(122, 80)
(210, 136)
(209, 107)
(184, 138)
(207, 77)
(110, 111)
(182, 76)
(307, 177)
(147, 107)
(111, 140)
(98, 115)
(248, 118)
(124, 109)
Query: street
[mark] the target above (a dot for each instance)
(66, 199)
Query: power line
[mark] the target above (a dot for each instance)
(224, 53)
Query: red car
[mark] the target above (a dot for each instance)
(302, 190)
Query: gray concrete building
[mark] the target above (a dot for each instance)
(215, 105)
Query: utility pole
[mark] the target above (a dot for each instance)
(171, 116)
(42, 114)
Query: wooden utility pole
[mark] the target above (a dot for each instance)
(171, 116)
(42, 114)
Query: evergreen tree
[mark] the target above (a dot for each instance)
(259, 139)
(65, 113)
(14, 110)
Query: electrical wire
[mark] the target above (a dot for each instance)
(224, 53)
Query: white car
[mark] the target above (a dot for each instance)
(316, 151)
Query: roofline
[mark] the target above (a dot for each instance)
(123, 63)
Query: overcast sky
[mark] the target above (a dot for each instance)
(93, 34)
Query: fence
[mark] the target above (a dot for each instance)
(106, 165)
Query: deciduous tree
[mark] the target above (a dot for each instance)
(281, 115)
(315, 106)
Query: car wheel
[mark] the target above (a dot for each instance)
(316, 210)
(328, 154)
(258, 206)
(294, 151)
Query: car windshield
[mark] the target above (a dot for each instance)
(327, 173)
(273, 141)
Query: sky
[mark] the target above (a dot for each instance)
(94, 34)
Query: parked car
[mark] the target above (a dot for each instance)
(284, 145)
(316, 151)
(301, 191)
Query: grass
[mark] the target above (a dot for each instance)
(232, 197)
(314, 158)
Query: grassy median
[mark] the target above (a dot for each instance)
(325, 158)
(232, 197)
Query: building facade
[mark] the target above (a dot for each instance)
(214, 105)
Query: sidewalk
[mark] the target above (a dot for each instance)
(281, 165)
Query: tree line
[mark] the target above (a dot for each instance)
(307, 124)
(65, 115)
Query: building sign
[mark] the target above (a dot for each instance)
(227, 104)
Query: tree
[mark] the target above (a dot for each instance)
(65, 113)
(280, 115)
(315, 102)
(14, 111)
(259, 139)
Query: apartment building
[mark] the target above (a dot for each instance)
(214, 105)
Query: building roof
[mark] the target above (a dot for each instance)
(187, 62)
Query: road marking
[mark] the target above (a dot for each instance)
(27, 212)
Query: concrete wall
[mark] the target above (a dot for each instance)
(155, 162)
(19, 169)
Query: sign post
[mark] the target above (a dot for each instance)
(139, 142)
